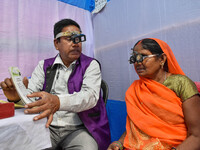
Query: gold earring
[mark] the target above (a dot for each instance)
(162, 64)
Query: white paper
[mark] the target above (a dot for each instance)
(19, 85)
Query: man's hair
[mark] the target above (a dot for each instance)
(63, 23)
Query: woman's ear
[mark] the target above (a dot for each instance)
(163, 62)
(163, 58)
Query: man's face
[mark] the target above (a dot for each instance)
(67, 49)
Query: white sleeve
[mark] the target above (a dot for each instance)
(88, 96)
(37, 78)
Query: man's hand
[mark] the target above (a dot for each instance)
(9, 88)
(47, 105)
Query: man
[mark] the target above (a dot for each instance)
(70, 97)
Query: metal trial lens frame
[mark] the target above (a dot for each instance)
(77, 38)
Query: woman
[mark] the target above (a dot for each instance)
(163, 106)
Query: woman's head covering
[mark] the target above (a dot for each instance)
(173, 65)
(154, 112)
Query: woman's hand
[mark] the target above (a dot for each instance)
(47, 105)
(116, 145)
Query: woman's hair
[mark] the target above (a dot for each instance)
(153, 47)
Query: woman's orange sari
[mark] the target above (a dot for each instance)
(155, 119)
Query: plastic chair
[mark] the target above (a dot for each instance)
(105, 90)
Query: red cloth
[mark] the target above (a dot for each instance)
(7, 110)
(198, 85)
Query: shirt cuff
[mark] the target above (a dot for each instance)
(64, 104)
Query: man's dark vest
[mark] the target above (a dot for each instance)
(94, 119)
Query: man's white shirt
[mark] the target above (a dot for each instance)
(70, 104)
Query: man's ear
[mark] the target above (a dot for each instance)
(56, 43)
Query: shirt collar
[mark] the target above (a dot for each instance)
(58, 60)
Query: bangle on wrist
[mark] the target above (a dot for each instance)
(13, 101)
(118, 144)
(173, 148)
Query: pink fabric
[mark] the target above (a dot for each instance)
(198, 85)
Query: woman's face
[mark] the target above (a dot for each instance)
(150, 66)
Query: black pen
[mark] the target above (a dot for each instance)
(57, 75)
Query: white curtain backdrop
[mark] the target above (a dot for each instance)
(26, 32)
(123, 22)
(26, 35)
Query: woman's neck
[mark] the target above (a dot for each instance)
(161, 76)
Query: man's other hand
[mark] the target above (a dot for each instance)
(47, 105)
